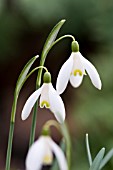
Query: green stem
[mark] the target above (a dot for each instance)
(38, 82)
(66, 135)
(11, 132)
(59, 39)
(9, 149)
(32, 136)
(34, 117)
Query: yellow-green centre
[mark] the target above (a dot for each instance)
(45, 103)
(47, 160)
(77, 71)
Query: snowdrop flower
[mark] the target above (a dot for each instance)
(74, 69)
(41, 153)
(48, 98)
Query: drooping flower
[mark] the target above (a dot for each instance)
(48, 98)
(74, 70)
(41, 153)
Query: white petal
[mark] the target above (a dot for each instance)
(36, 155)
(76, 80)
(77, 64)
(44, 98)
(64, 74)
(59, 155)
(48, 157)
(30, 103)
(56, 104)
(92, 72)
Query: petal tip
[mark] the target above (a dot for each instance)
(23, 117)
(61, 121)
(59, 91)
(99, 86)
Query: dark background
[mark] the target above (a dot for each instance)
(24, 27)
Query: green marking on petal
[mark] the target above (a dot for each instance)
(45, 103)
(77, 71)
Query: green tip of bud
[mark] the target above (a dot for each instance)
(47, 77)
(45, 132)
(75, 46)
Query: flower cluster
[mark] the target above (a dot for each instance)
(73, 70)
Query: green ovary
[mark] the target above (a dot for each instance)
(77, 71)
(45, 103)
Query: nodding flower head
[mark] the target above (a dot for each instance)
(41, 153)
(74, 70)
(49, 98)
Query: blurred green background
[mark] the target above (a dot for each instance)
(24, 26)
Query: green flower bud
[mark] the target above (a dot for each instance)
(75, 46)
(47, 77)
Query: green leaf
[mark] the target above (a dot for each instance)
(106, 158)
(50, 39)
(47, 46)
(23, 74)
(88, 150)
(97, 161)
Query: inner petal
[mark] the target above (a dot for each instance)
(78, 68)
(48, 158)
(44, 98)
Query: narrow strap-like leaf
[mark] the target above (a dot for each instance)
(106, 158)
(51, 38)
(19, 84)
(88, 150)
(97, 161)
(47, 46)
(24, 73)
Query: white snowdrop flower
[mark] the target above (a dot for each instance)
(74, 69)
(48, 98)
(41, 153)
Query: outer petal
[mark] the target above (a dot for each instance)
(59, 155)
(56, 104)
(30, 103)
(76, 80)
(64, 74)
(92, 72)
(36, 155)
